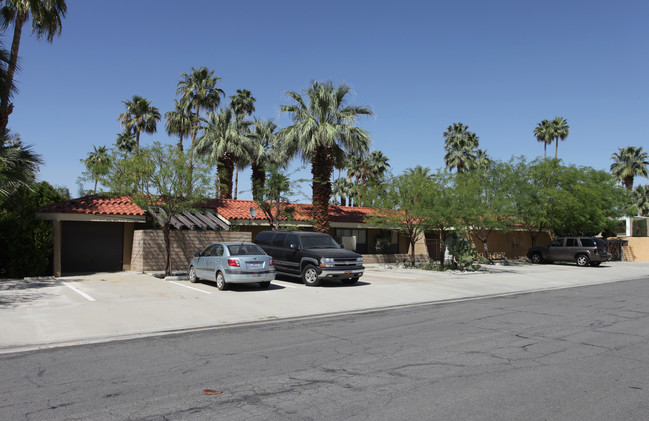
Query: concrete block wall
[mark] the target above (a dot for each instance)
(636, 249)
(148, 253)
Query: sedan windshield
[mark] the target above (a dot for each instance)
(319, 242)
(245, 250)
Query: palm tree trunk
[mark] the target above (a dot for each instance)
(236, 180)
(258, 182)
(321, 168)
(6, 107)
(545, 151)
(227, 171)
(556, 148)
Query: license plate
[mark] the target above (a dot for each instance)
(255, 265)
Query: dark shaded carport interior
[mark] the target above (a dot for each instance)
(91, 246)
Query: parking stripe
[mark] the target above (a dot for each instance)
(187, 286)
(78, 291)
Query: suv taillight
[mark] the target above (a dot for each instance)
(596, 250)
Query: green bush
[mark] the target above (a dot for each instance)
(26, 242)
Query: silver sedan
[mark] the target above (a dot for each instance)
(232, 263)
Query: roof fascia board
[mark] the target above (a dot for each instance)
(84, 217)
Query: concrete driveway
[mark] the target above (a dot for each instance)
(38, 314)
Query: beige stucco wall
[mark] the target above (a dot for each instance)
(637, 249)
(514, 244)
(148, 251)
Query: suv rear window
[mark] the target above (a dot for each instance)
(587, 242)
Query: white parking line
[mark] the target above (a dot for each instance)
(78, 291)
(187, 286)
(284, 284)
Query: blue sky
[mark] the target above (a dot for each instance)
(498, 66)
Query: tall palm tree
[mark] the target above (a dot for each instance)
(481, 161)
(460, 146)
(179, 122)
(198, 91)
(97, 164)
(263, 138)
(18, 164)
(140, 116)
(629, 162)
(222, 143)
(561, 129)
(243, 105)
(322, 124)
(46, 16)
(125, 142)
(344, 189)
(544, 132)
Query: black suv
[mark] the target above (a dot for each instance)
(582, 250)
(311, 256)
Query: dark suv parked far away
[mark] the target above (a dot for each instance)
(311, 256)
(582, 250)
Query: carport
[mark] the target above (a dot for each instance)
(93, 234)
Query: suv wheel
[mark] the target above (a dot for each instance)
(536, 257)
(582, 260)
(310, 276)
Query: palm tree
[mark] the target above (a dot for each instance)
(641, 199)
(198, 92)
(179, 122)
(460, 145)
(125, 142)
(97, 164)
(243, 105)
(544, 132)
(561, 131)
(344, 189)
(46, 16)
(18, 164)
(140, 116)
(222, 143)
(481, 161)
(321, 126)
(263, 138)
(629, 162)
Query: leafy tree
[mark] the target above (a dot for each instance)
(198, 92)
(404, 205)
(485, 203)
(97, 164)
(46, 16)
(31, 254)
(18, 164)
(629, 162)
(140, 116)
(323, 125)
(163, 174)
(263, 152)
(223, 143)
(274, 199)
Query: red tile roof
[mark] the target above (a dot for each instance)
(96, 205)
(230, 209)
(240, 209)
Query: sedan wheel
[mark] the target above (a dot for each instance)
(220, 282)
(536, 257)
(310, 276)
(582, 260)
(192, 275)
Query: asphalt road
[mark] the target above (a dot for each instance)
(577, 353)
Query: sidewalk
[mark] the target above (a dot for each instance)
(41, 314)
